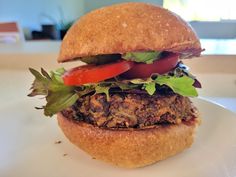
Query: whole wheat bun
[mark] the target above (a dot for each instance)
(130, 148)
(128, 27)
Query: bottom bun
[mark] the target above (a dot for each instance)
(130, 148)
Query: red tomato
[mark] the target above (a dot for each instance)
(93, 74)
(142, 70)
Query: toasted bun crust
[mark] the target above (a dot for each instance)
(129, 148)
(128, 27)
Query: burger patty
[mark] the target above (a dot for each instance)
(131, 110)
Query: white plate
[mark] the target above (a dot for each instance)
(28, 149)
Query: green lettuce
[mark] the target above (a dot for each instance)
(144, 57)
(150, 87)
(60, 96)
(181, 85)
(104, 90)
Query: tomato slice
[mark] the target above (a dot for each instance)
(93, 74)
(142, 70)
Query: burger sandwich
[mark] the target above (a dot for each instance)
(129, 104)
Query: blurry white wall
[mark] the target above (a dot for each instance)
(31, 13)
(94, 4)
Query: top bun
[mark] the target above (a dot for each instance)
(129, 27)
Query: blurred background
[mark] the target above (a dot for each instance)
(31, 33)
(50, 19)
(30, 36)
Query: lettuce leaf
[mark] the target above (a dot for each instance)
(40, 83)
(58, 96)
(58, 101)
(150, 87)
(104, 90)
(181, 85)
(144, 57)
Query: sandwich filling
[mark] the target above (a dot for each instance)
(132, 90)
(131, 110)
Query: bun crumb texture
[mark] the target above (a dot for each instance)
(128, 27)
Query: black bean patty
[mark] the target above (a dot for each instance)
(131, 110)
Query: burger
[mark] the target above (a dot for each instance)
(129, 104)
